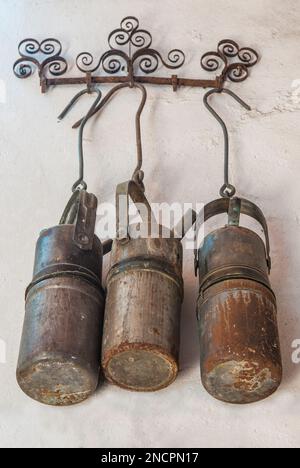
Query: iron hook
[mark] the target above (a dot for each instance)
(227, 190)
(138, 174)
(80, 184)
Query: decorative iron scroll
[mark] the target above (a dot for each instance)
(234, 61)
(130, 47)
(130, 57)
(42, 55)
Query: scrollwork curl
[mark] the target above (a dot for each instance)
(140, 56)
(237, 72)
(228, 48)
(48, 46)
(176, 58)
(141, 39)
(213, 61)
(248, 56)
(85, 62)
(28, 47)
(118, 38)
(233, 60)
(47, 57)
(56, 66)
(114, 61)
(130, 34)
(23, 67)
(51, 46)
(148, 60)
(130, 23)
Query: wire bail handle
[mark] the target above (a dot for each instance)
(234, 207)
(130, 189)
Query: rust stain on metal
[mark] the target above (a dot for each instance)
(239, 342)
(71, 391)
(140, 367)
(59, 360)
(133, 65)
(142, 316)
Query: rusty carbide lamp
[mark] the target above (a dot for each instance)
(144, 294)
(60, 349)
(239, 343)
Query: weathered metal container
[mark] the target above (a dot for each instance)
(142, 315)
(143, 306)
(239, 342)
(59, 358)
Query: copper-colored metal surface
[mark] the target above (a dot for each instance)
(142, 315)
(240, 354)
(232, 252)
(59, 356)
(239, 342)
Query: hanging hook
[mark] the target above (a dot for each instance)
(227, 190)
(138, 174)
(80, 184)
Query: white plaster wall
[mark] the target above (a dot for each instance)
(183, 162)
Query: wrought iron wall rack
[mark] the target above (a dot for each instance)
(130, 58)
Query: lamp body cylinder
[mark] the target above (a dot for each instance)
(237, 316)
(142, 316)
(59, 359)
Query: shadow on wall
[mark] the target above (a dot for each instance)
(189, 347)
(288, 313)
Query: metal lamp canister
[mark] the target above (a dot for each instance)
(239, 342)
(59, 358)
(143, 307)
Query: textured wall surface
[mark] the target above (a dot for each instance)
(183, 162)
